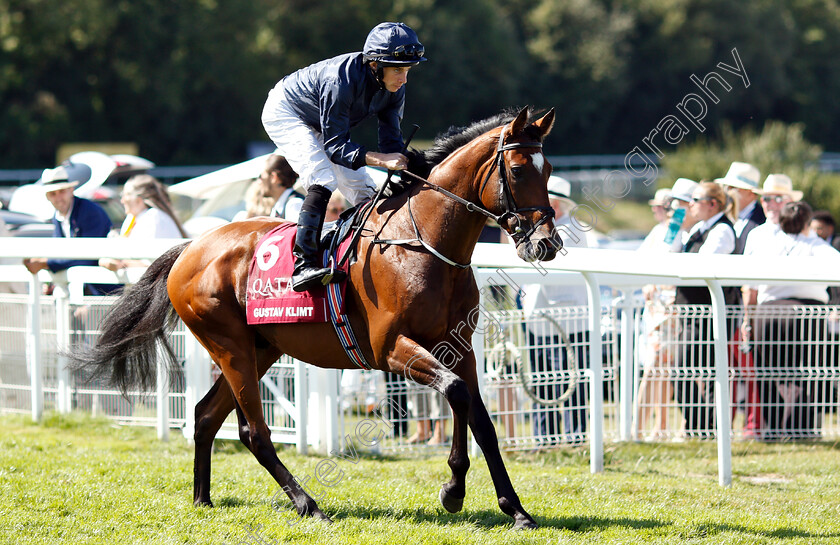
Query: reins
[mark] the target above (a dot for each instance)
(506, 197)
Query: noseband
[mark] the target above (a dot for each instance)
(511, 211)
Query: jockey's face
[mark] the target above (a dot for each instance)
(394, 77)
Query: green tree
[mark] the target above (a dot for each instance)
(776, 148)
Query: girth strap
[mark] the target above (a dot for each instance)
(341, 323)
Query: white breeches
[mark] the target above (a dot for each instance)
(303, 148)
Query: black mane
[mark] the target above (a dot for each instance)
(422, 162)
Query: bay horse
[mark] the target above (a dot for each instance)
(402, 300)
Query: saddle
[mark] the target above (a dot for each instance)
(270, 298)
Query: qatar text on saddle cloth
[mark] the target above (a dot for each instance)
(270, 298)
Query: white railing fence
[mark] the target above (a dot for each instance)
(602, 371)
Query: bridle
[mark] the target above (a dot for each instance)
(512, 211)
(508, 202)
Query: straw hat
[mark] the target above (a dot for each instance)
(660, 197)
(780, 184)
(683, 189)
(559, 188)
(56, 179)
(742, 176)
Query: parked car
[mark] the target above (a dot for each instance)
(14, 221)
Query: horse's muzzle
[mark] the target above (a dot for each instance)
(539, 247)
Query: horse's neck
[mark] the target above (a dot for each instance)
(449, 227)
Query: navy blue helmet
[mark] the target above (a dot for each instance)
(393, 44)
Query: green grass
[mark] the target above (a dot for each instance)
(75, 479)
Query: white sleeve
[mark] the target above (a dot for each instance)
(293, 209)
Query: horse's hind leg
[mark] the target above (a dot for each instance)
(237, 363)
(210, 414)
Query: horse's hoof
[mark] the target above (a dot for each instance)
(525, 524)
(320, 515)
(450, 503)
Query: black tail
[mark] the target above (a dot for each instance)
(139, 322)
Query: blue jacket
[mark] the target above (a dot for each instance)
(87, 219)
(335, 95)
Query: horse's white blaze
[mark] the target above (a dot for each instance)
(539, 161)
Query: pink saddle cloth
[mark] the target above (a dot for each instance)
(270, 298)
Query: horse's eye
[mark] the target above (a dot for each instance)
(517, 171)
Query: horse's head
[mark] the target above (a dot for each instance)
(515, 187)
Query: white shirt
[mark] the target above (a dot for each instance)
(654, 242)
(720, 240)
(287, 206)
(778, 243)
(538, 296)
(761, 237)
(150, 223)
(64, 221)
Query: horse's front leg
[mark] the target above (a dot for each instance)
(485, 435)
(420, 366)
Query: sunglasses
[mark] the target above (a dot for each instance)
(778, 199)
(408, 52)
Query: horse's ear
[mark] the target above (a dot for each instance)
(521, 120)
(545, 123)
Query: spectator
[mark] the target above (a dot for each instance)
(149, 215)
(273, 193)
(785, 346)
(659, 207)
(547, 353)
(824, 226)
(257, 202)
(335, 207)
(74, 217)
(744, 179)
(430, 411)
(279, 181)
(712, 234)
(660, 331)
(680, 198)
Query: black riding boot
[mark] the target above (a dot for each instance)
(309, 271)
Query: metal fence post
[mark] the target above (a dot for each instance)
(596, 396)
(722, 403)
(627, 381)
(162, 385)
(323, 402)
(301, 405)
(33, 349)
(196, 378)
(64, 394)
(478, 351)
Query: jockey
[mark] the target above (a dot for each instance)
(309, 114)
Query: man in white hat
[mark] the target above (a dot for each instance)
(547, 354)
(744, 178)
(74, 217)
(776, 192)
